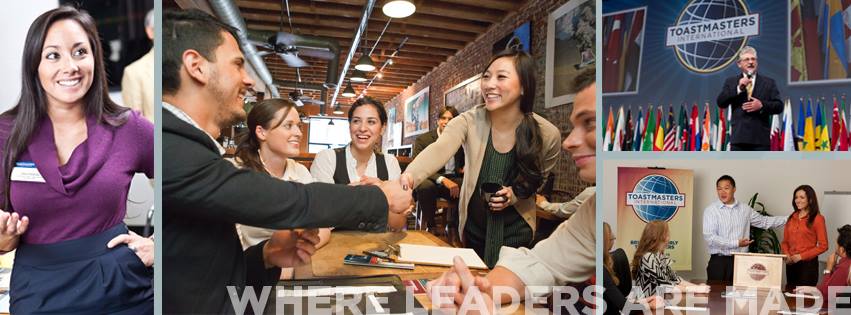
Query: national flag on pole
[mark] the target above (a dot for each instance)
(835, 128)
(619, 131)
(659, 137)
(639, 132)
(694, 128)
(802, 118)
(627, 141)
(607, 140)
(705, 144)
(836, 65)
(788, 134)
(727, 142)
(649, 131)
(809, 143)
(823, 139)
(611, 62)
(713, 131)
(799, 57)
(810, 11)
(843, 129)
(671, 132)
(776, 142)
(682, 131)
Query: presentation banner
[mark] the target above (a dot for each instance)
(680, 52)
(649, 194)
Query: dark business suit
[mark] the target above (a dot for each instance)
(429, 190)
(751, 131)
(205, 195)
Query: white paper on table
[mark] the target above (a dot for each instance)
(439, 256)
(332, 291)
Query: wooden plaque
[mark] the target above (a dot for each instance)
(762, 271)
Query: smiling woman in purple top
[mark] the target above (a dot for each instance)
(68, 156)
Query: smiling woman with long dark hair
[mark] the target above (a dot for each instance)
(507, 146)
(804, 239)
(68, 156)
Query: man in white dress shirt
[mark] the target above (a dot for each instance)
(726, 229)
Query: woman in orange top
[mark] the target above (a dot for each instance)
(804, 238)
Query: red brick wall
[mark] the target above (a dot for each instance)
(472, 59)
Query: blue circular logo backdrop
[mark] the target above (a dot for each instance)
(655, 185)
(713, 55)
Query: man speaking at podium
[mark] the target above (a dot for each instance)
(754, 99)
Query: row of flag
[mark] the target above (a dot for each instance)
(652, 130)
(820, 32)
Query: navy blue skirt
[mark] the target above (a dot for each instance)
(81, 276)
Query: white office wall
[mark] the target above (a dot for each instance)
(774, 180)
(17, 17)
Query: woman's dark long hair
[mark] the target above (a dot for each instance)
(527, 177)
(32, 106)
(812, 203)
(262, 114)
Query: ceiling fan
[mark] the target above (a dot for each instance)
(290, 46)
(300, 99)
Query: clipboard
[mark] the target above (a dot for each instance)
(438, 255)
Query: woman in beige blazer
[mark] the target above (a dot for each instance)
(505, 143)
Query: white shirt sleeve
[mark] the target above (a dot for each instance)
(323, 166)
(393, 168)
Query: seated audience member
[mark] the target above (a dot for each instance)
(837, 271)
(446, 183)
(564, 209)
(507, 145)
(651, 267)
(272, 139)
(618, 262)
(359, 162)
(618, 283)
(804, 239)
(568, 255)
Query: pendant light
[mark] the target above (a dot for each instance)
(349, 91)
(398, 9)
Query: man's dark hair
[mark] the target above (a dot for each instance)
(185, 30)
(844, 238)
(449, 109)
(727, 178)
(584, 79)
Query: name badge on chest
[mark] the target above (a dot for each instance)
(26, 172)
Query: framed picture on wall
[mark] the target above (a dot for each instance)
(571, 46)
(416, 113)
(520, 37)
(389, 130)
(465, 95)
(623, 38)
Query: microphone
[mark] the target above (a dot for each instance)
(750, 74)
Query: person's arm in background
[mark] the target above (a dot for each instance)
(821, 237)
(765, 222)
(565, 209)
(710, 231)
(322, 168)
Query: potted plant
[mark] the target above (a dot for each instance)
(765, 240)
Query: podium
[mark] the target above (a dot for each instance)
(760, 271)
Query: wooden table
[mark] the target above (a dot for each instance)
(328, 260)
(718, 304)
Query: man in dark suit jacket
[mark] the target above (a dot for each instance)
(204, 196)
(447, 182)
(754, 99)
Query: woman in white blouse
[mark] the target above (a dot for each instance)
(272, 140)
(361, 163)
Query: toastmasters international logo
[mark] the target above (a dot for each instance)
(709, 33)
(655, 197)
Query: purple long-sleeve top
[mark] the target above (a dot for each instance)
(88, 194)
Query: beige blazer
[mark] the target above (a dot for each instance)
(137, 85)
(470, 130)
